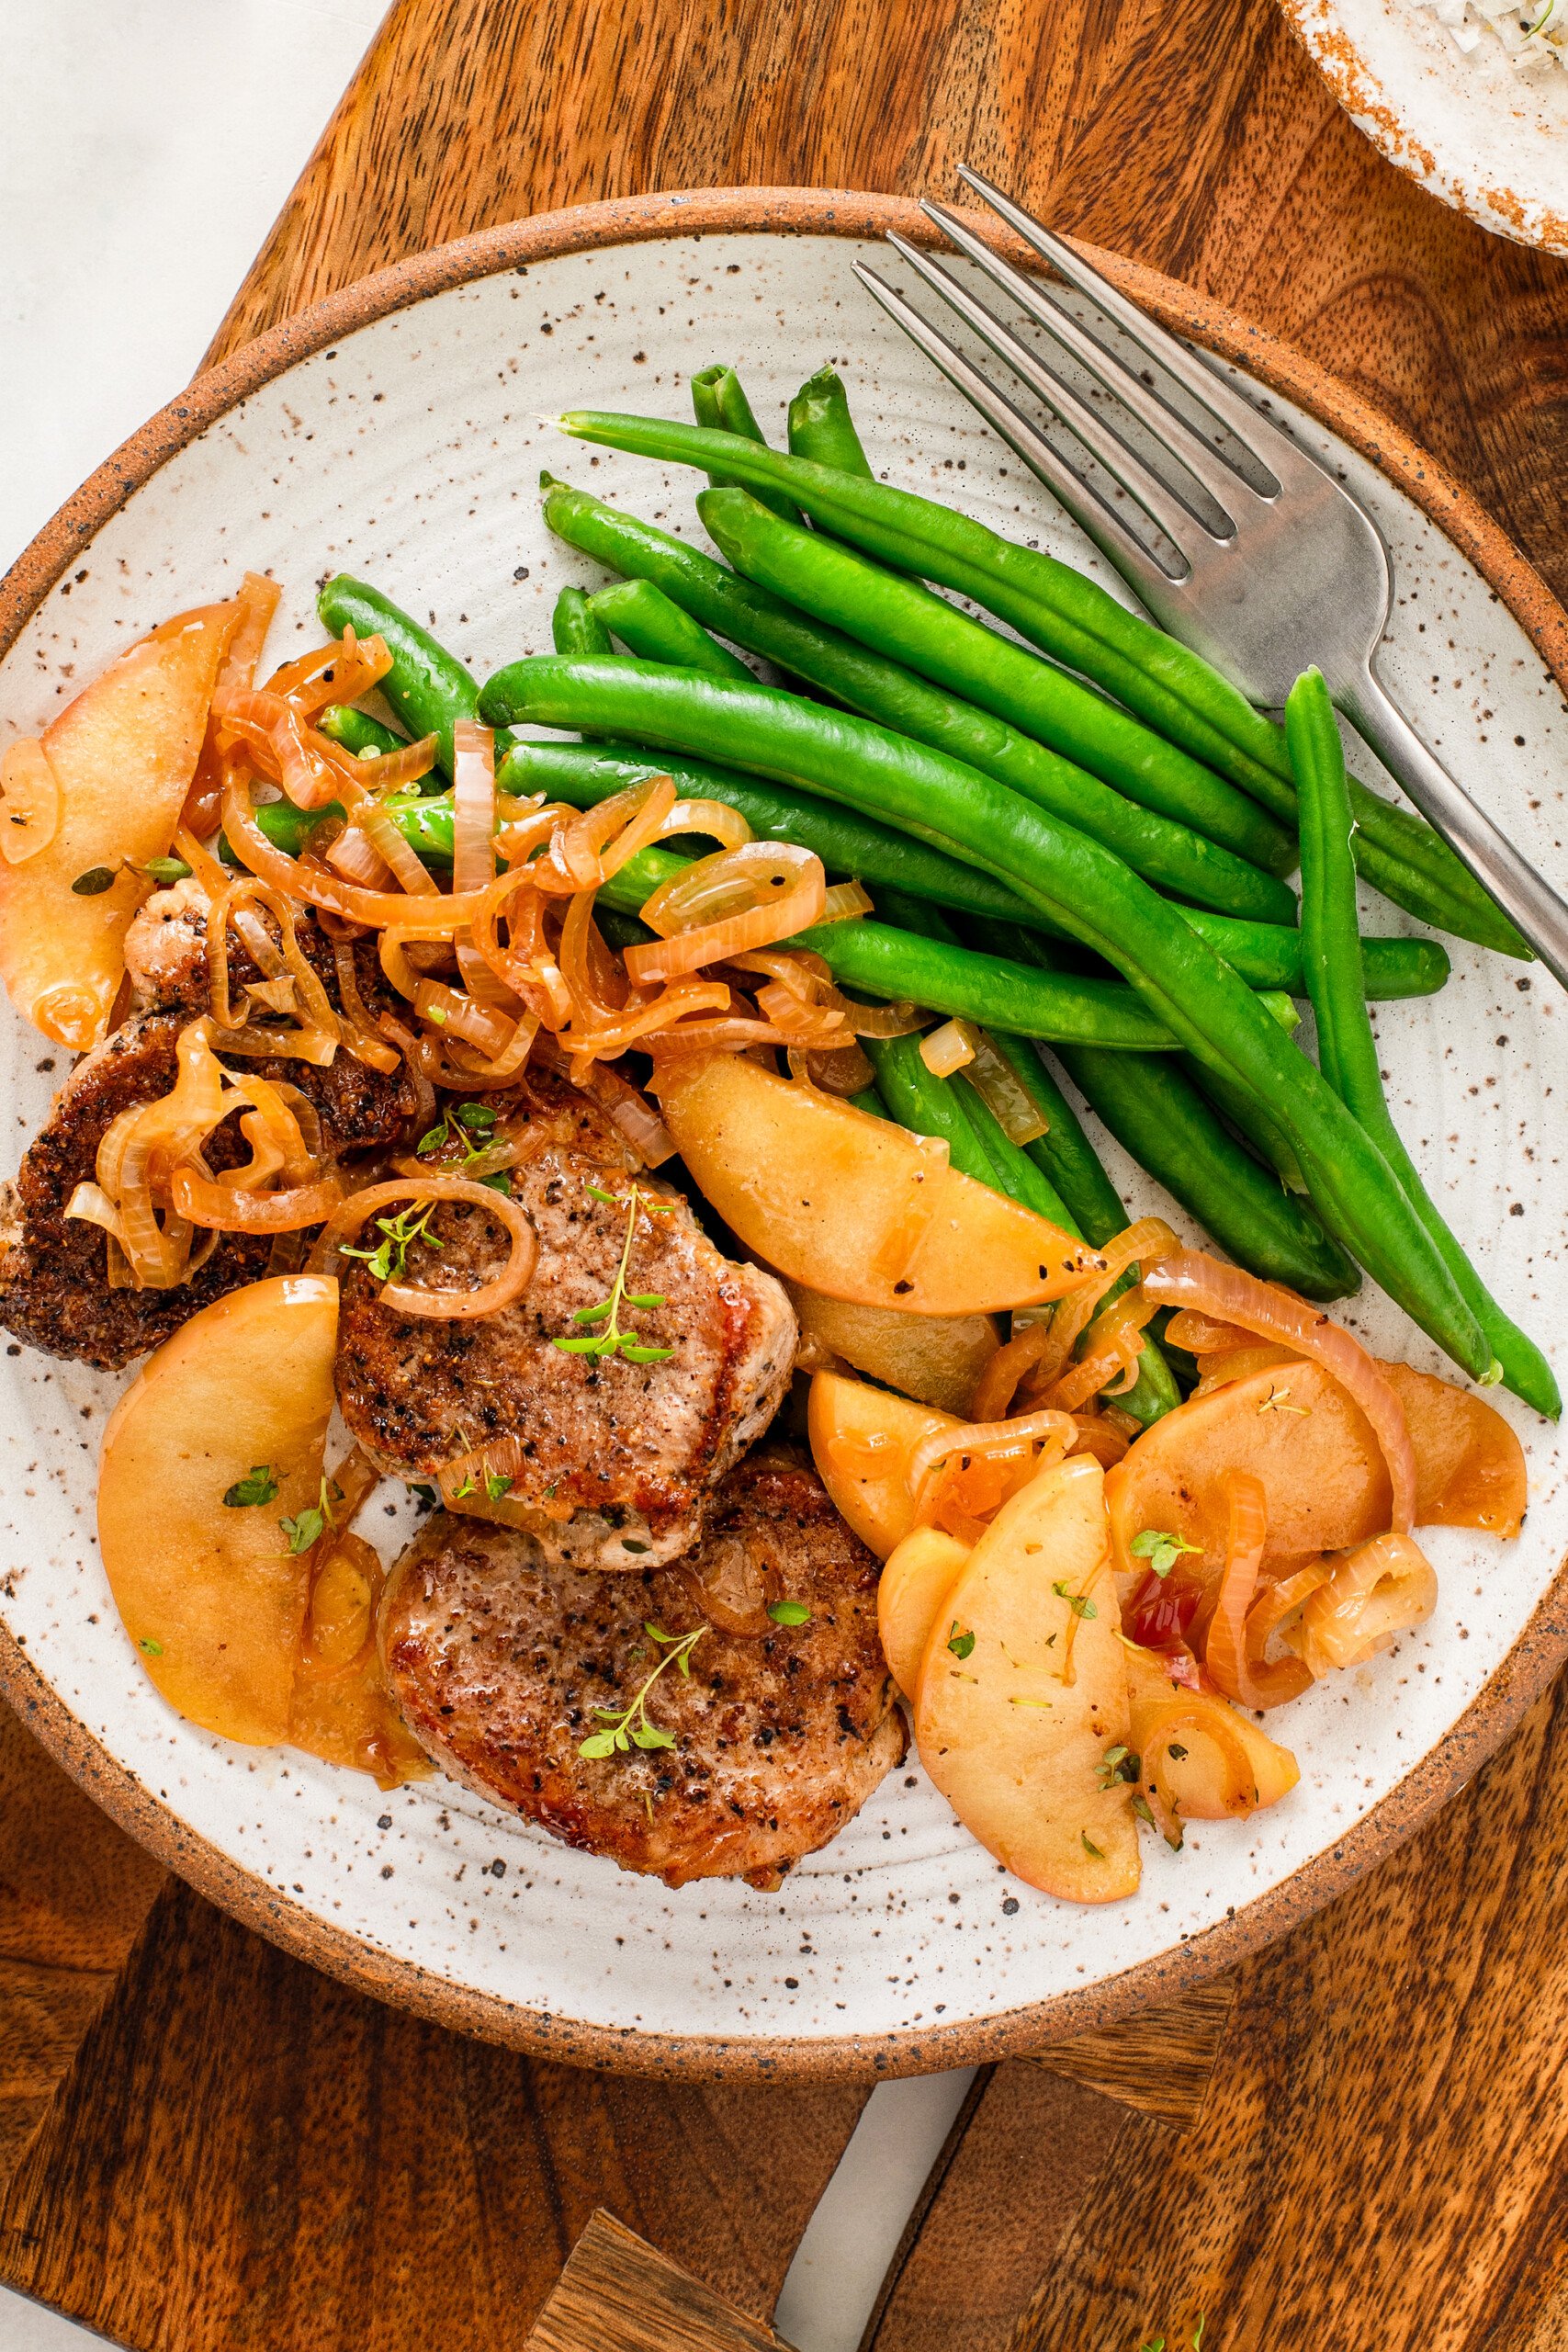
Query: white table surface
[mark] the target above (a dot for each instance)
(148, 147)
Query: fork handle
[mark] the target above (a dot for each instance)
(1523, 894)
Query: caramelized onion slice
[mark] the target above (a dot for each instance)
(223, 1208)
(949, 1048)
(1381, 1588)
(1046, 1428)
(1004, 1093)
(1190, 1278)
(1225, 1652)
(438, 1304)
(319, 888)
(724, 905)
(717, 818)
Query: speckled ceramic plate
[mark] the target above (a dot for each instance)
(1490, 142)
(395, 430)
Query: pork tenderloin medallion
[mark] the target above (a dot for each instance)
(607, 1462)
(54, 1293)
(504, 1665)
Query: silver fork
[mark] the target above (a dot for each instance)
(1269, 574)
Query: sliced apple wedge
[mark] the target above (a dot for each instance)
(1202, 1758)
(1321, 1468)
(1023, 1692)
(853, 1206)
(342, 1710)
(122, 756)
(862, 1439)
(920, 1573)
(209, 1592)
(937, 1359)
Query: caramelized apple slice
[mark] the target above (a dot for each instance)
(1200, 1759)
(920, 1573)
(854, 1206)
(1322, 1469)
(237, 1402)
(862, 1439)
(122, 756)
(1023, 1692)
(343, 1711)
(937, 1358)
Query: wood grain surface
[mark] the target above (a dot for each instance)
(240, 2153)
(74, 1893)
(247, 2154)
(619, 2294)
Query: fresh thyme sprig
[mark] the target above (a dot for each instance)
(301, 1532)
(259, 1487)
(631, 1729)
(1076, 1602)
(1159, 1549)
(611, 1340)
(388, 1263)
(475, 1131)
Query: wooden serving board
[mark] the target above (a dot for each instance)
(205, 2146)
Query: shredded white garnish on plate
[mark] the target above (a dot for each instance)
(1534, 37)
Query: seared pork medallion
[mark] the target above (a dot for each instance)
(52, 1290)
(608, 1459)
(748, 1750)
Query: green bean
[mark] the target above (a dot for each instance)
(1063, 1007)
(927, 1105)
(718, 399)
(575, 628)
(1158, 1115)
(821, 426)
(895, 617)
(428, 688)
(1348, 1049)
(1246, 1119)
(849, 845)
(427, 824)
(1171, 1131)
(1087, 629)
(1165, 852)
(1266, 956)
(358, 731)
(1064, 1152)
(649, 623)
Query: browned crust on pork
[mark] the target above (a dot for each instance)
(620, 1459)
(53, 1292)
(500, 1661)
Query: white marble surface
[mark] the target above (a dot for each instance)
(148, 147)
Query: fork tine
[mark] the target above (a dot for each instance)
(1204, 462)
(1162, 505)
(1262, 440)
(1085, 504)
